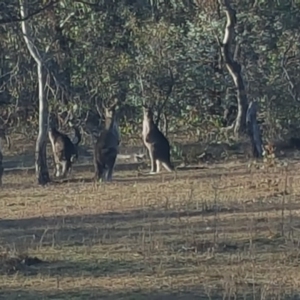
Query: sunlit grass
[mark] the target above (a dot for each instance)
(201, 234)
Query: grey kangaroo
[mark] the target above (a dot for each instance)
(157, 144)
(106, 147)
(65, 152)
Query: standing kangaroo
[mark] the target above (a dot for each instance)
(65, 152)
(157, 144)
(106, 147)
(3, 136)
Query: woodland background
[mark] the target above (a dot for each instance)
(218, 231)
(163, 52)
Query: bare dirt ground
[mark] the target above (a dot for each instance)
(223, 232)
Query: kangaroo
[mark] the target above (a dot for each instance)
(106, 147)
(157, 144)
(65, 152)
(3, 136)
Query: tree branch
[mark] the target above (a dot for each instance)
(13, 19)
(233, 67)
(168, 93)
(33, 51)
(246, 116)
(41, 167)
(292, 89)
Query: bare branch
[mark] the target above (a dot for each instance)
(237, 51)
(87, 3)
(99, 110)
(62, 24)
(228, 128)
(140, 80)
(170, 89)
(14, 70)
(7, 120)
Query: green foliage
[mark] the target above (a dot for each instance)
(126, 48)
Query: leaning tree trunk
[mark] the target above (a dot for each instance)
(246, 116)
(41, 167)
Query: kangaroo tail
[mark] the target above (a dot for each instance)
(168, 166)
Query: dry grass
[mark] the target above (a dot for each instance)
(220, 233)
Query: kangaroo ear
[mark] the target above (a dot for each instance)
(115, 103)
(144, 108)
(8, 142)
(70, 123)
(52, 121)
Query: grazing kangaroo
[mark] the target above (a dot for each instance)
(106, 147)
(65, 152)
(157, 144)
(3, 136)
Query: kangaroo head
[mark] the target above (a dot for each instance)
(110, 111)
(110, 114)
(147, 112)
(52, 131)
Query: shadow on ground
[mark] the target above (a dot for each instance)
(141, 175)
(93, 247)
(114, 225)
(131, 231)
(137, 294)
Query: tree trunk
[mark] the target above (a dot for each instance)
(253, 130)
(246, 117)
(41, 167)
(234, 67)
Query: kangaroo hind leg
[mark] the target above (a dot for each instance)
(152, 160)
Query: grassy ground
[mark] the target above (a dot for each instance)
(226, 232)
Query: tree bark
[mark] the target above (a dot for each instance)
(41, 167)
(253, 130)
(246, 116)
(233, 67)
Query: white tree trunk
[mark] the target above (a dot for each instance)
(41, 167)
